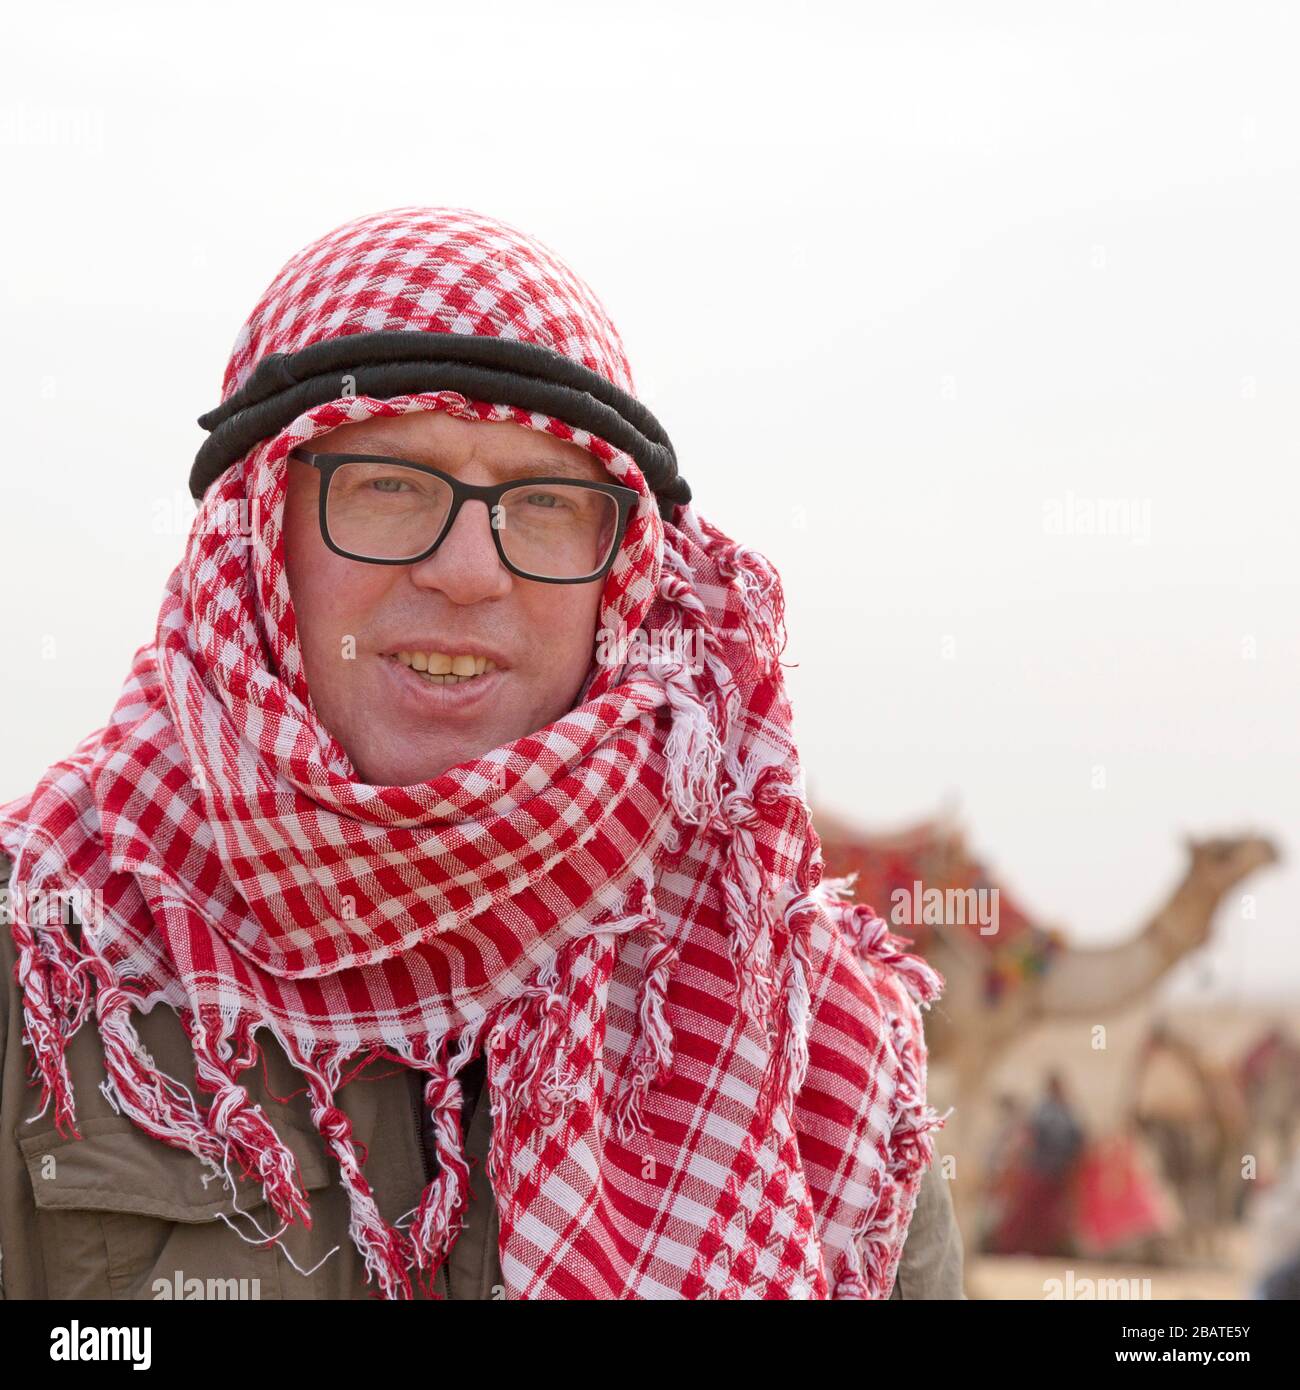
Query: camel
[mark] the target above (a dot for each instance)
(1269, 1078)
(999, 984)
(1191, 1111)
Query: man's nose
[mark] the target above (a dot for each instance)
(466, 566)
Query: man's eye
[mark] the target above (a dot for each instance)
(545, 499)
(389, 484)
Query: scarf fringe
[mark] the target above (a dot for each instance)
(55, 978)
(537, 1041)
(868, 934)
(235, 1117)
(652, 1052)
(747, 893)
(870, 1262)
(723, 789)
(387, 1252)
(697, 733)
(532, 1051)
(677, 589)
(232, 1127)
(48, 981)
(539, 1081)
(787, 1065)
(757, 585)
(440, 1216)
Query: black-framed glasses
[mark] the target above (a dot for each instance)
(390, 511)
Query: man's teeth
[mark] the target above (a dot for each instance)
(443, 669)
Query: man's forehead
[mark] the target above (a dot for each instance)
(504, 447)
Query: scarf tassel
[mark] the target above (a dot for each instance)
(386, 1251)
(873, 1252)
(871, 1259)
(757, 586)
(45, 1031)
(539, 1082)
(652, 1053)
(747, 893)
(870, 938)
(235, 1117)
(54, 978)
(233, 1127)
(440, 1216)
(787, 1065)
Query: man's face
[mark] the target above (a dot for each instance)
(400, 727)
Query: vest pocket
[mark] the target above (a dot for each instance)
(123, 1215)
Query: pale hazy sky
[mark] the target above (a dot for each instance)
(912, 289)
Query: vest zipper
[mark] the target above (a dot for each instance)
(427, 1152)
(473, 1080)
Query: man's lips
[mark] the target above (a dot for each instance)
(447, 662)
(436, 696)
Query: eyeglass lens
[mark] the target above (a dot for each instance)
(384, 511)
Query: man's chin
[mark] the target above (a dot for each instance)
(415, 761)
(407, 729)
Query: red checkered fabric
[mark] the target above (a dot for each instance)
(706, 1066)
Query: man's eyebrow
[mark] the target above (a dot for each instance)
(548, 467)
(545, 466)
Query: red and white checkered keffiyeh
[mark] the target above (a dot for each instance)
(706, 1066)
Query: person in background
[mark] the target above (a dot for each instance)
(1038, 1218)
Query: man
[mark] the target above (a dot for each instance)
(439, 911)
(1038, 1218)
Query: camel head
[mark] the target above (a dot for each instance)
(1221, 862)
(1215, 866)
